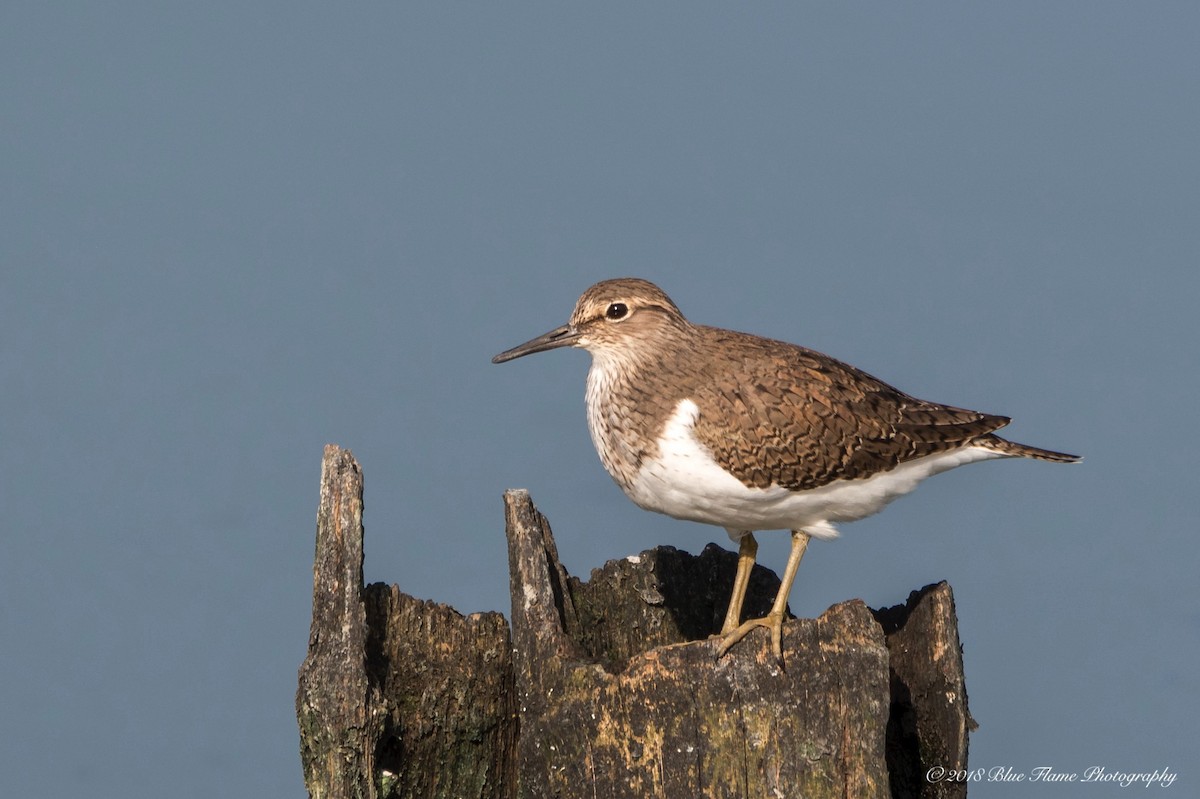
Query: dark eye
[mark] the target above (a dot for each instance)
(618, 310)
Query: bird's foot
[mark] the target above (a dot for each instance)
(772, 621)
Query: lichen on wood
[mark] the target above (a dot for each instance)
(671, 720)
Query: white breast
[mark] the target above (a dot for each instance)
(685, 482)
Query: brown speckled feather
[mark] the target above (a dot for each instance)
(774, 413)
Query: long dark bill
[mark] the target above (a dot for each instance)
(563, 336)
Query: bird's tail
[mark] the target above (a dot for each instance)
(1013, 449)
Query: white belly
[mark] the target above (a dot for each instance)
(685, 482)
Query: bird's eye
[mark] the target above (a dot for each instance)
(618, 310)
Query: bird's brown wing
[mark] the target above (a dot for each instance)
(788, 416)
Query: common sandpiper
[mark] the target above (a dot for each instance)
(750, 433)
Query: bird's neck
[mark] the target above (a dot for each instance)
(629, 400)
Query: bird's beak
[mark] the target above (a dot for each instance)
(564, 336)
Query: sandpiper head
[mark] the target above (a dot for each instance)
(609, 314)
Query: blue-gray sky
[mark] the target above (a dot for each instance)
(231, 233)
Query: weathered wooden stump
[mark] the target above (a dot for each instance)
(611, 688)
(397, 697)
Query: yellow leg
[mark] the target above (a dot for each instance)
(773, 621)
(747, 552)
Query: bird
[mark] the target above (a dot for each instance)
(753, 434)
